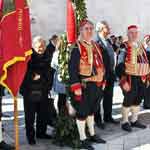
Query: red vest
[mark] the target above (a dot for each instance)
(90, 56)
(136, 62)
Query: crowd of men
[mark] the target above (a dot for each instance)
(94, 66)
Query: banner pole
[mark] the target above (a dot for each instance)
(16, 123)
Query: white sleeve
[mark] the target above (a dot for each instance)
(121, 56)
(54, 63)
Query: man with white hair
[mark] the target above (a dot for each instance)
(132, 69)
(103, 30)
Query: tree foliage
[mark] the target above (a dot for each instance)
(9, 6)
(66, 131)
(65, 50)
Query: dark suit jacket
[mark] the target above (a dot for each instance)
(106, 58)
(50, 50)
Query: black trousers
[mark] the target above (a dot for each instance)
(147, 97)
(35, 111)
(61, 101)
(97, 115)
(0, 108)
(108, 99)
(1, 96)
(107, 96)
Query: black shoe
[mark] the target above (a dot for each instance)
(86, 145)
(97, 139)
(111, 120)
(3, 129)
(137, 124)
(5, 146)
(32, 142)
(100, 125)
(44, 136)
(126, 127)
(146, 107)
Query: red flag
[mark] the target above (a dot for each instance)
(1, 8)
(15, 46)
(71, 23)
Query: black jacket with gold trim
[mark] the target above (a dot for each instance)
(82, 66)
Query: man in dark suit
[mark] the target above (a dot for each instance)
(103, 31)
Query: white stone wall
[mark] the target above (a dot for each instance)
(121, 13)
(50, 15)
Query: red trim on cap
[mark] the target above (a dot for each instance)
(84, 22)
(75, 87)
(146, 36)
(132, 27)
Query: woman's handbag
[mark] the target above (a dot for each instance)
(71, 110)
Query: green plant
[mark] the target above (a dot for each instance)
(81, 11)
(66, 131)
(9, 6)
(65, 49)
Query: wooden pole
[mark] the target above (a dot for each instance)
(16, 123)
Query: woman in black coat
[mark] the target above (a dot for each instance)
(35, 89)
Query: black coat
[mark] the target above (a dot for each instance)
(1, 91)
(106, 59)
(39, 64)
(50, 49)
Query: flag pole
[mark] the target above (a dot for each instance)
(16, 123)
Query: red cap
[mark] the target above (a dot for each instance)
(147, 36)
(84, 22)
(132, 27)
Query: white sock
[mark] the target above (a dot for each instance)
(1, 134)
(81, 129)
(90, 124)
(102, 111)
(135, 110)
(125, 114)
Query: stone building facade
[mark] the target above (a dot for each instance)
(49, 16)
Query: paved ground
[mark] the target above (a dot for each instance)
(116, 138)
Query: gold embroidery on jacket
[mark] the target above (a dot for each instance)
(137, 68)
